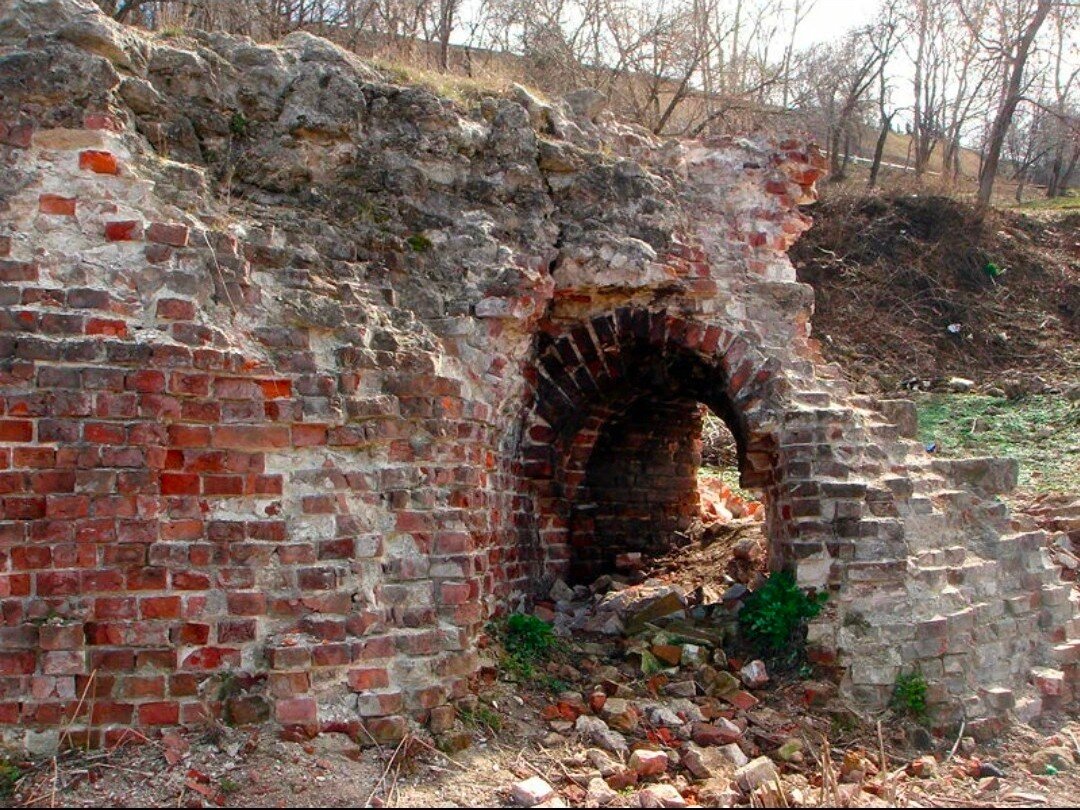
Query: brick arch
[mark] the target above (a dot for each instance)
(592, 374)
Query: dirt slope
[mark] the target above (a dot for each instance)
(894, 272)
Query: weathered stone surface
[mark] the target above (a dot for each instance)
(531, 792)
(755, 773)
(661, 796)
(598, 793)
(648, 763)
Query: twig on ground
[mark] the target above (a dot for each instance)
(389, 764)
(960, 736)
(442, 754)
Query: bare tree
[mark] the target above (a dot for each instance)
(1017, 24)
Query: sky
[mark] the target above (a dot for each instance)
(830, 19)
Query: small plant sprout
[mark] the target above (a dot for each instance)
(776, 611)
(909, 695)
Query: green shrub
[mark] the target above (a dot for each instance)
(775, 612)
(238, 124)
(527, 641)
(9, 777)
(419, 243)
(909, 694)
(529, 637)
(480, 717)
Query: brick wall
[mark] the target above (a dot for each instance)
(640, 487)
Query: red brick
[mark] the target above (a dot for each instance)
(17, 662)
(56, 205)
(99, 162)
(145, 578)
(30, 558)
(190, 581)
(194, 633)
(160, 607)
(289, 684)
(24, 508)
(159, 713)
(50, 481)
(251, 437)
(16, 430)
(63, 662)
(289, 657)
(223, 485)
(454, 593)
(362, 680)
(37, 457)
(142, 686)
(14, 585)
(106, 326)
(97, 581)
(308, 435)
(183, 685)
(266, 484)
(61, 636)
(179, 484)
(237, 388)
(18, 271)
(246, 604)
(189, 436)
(112, 661)
(182, 530)
(296, 711)
(107, 712)
(185, 384)
(175, 309)
(276, 389)
(156, 659)
(67, 507)
(123, 230)
(168, 234)
(146, 381)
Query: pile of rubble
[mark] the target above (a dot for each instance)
(719, 503)
(652, 712)
(665, 711)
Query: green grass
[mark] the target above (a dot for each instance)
(1069, 203)
(1042, 432)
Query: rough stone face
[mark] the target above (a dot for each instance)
(531, 792)
(648, 763)
(304, 376)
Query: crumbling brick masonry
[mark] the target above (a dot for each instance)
(304, 376)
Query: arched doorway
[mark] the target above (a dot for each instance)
(611, 446)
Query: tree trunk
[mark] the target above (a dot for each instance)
(847, 154)
(835, 171)
(1012, 98)
(879, 150)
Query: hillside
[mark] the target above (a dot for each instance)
(894, 272)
